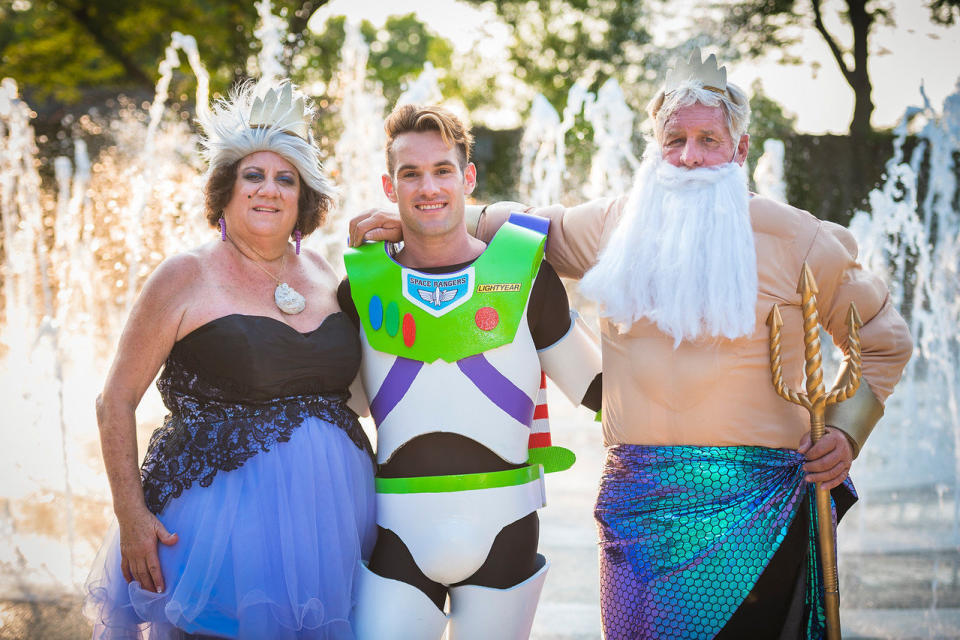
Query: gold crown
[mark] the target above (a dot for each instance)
(713, 79)
(279, 109)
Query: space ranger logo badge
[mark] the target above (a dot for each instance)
(438, 294)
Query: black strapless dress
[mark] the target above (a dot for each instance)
(267, 479)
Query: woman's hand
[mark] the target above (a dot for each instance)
(139, 561)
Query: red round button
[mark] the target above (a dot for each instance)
(487, 318)
(409, 330)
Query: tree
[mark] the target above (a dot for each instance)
(57, 49)
(398, 53)
(945, 12)
(557, 42)
(767, 120)
(754, 26)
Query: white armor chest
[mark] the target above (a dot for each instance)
(443, 398)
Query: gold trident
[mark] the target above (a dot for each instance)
(815, 400)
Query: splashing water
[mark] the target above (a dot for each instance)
(424, 90)
(768, 176)
(545, 178)
(611, 170)
(67, 288)
(912, 235)
(543, 147)
(357, 162)
(271, 31)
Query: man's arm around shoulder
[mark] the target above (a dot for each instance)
(577, 234)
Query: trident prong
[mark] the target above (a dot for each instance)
(775, 322)
(812, 363)
(852, 383)
(815, 401)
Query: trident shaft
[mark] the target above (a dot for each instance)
(815, 401)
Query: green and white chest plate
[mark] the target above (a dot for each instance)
(451, 316)
(450, 352)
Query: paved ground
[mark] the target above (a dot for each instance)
(895, 583)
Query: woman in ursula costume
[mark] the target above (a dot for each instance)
(254, 501)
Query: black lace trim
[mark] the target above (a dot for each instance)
(204, 434)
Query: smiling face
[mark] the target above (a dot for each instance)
(264, 197)
(697, 136)
(428, 185)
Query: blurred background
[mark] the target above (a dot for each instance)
(856, 118)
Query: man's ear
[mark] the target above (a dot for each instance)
(742, 148)
(469, 178)
(388, 188)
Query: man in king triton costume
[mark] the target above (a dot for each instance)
(454, 333)
(704, 510)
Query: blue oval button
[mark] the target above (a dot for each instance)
(375, 312)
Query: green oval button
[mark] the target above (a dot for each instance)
(391, 320)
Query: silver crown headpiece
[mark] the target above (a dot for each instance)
(268, 116)
(706, 71)
(277, 108)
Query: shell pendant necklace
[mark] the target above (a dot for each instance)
(287, 299)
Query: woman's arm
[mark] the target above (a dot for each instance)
(147, 338)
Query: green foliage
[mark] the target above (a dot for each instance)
(497, 156)
(558, 41)
(831, 176)
(399, 50)
(753, 27)
(51, 63)
(57, 49)
(767, 120)
(945, 12)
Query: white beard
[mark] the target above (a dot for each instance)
(682, 255)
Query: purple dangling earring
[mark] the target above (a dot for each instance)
(296, 236)
(223, 228)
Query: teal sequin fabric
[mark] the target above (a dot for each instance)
(686, 531)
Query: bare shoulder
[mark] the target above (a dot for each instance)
(172, 288)
(177, 274)
(156, 316)
(317, 261)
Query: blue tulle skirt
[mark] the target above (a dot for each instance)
(268, 550)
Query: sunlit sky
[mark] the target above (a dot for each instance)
(913, 52)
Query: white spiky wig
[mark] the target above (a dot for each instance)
(230, 133)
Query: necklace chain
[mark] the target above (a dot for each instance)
(283, 260)
(288, 300)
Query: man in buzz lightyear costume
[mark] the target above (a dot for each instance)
(704, 510)
(454, 335)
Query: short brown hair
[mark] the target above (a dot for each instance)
(414, 117)
(312, 206)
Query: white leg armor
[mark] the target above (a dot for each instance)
(394, 610)
(482, 613)
(449, 533)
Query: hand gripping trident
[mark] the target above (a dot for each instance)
(815, 400)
